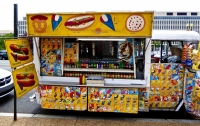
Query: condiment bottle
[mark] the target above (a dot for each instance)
(80, 80)
(83, 80)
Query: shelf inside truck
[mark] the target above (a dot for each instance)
(99, 70)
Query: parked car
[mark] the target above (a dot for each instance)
(3, 54)
(6, 82)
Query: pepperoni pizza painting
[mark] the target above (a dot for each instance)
(135, 23)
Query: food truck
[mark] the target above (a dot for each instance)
(102, 62)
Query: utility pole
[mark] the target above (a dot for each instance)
(15, 36)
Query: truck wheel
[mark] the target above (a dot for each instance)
(187, 115)
(1, 57)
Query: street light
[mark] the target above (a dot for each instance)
(189, 27)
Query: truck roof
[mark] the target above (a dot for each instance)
(178, 35)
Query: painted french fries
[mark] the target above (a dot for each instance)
(25, 80)
(19, 52)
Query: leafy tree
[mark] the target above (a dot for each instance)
(156, 43)
(3, 37)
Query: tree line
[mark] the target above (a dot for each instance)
(3, 37)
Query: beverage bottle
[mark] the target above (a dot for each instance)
(70, 64)
(120, 65)
(85, 63)
(95, 65)
(79, 64)
(83, 79)
(102, 65)
(131, 66)
(67, 64)
(107, 64)
(92, 63)
(75, 64)
(129, 76)
(99, 64)
(126, 65)
(87, 66)
(113, 64)
(123, 66)
(117, 65)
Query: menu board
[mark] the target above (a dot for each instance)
(19, 52)
(25, 79)
(70, 52)
(51, 50)
(63, 97)
(166, 85)
(122, 100)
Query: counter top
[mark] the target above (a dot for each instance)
(78, 84)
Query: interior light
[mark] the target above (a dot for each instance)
(85, 39)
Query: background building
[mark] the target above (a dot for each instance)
(176, 21)
(22, 27)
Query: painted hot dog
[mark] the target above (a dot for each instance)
(14, 47)
(24, 50)
(24, 76)
(25, 80)
(26, 83)
(18, 56)
(80, 22)
(18, 48)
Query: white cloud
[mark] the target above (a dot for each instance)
(36, 6)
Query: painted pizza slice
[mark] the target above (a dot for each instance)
(107, 20)
(135, 23)
(55, 20)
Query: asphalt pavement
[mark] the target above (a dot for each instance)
(24, 105)
(5, 64)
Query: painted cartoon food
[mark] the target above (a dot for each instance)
(79, 22)
(135, 23)
(107, 20)
(55, 20)
(39, 23)
(25, 80)
(19, 52)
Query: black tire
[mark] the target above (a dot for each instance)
(1, 57)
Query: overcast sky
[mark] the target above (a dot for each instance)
(35, 6)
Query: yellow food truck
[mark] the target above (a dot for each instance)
(103, 62)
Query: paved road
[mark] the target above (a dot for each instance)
(5, 64)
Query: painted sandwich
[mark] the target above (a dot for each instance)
(79, 22)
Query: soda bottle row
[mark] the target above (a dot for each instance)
(99, 64)
(105, 74)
